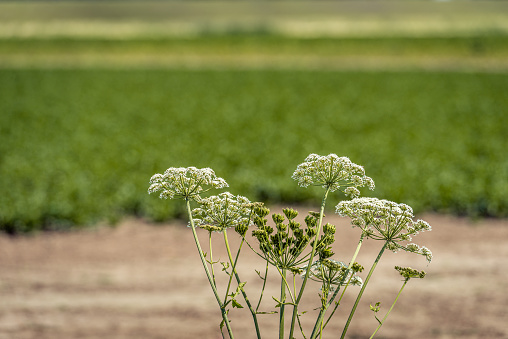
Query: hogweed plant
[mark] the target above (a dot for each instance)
(297, 253)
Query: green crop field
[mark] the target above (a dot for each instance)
(79, 146)
(96, 97)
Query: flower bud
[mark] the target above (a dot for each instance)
(356, 267)
(211, 228)
(259, 221)
(311, 232)
(310, 221)
(293, 225)
(315, 214)
(277, 218)
(261, 211)
(241, 229)
(329, 229)
(326, 253)
(290, 213)
(281, 227)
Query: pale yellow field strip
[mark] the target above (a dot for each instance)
(128, 19)
(255, 61)
(337, 27)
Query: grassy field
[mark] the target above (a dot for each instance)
(80, 145)
(95, 97)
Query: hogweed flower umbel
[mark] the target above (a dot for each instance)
(386, 220)
(333, 172)
(333, 274)
(184, 183)
(284, 245)
(223, 211)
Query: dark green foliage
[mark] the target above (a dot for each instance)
(79, 146)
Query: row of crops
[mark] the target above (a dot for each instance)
(79, 146)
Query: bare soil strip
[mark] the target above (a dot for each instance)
(145, 281)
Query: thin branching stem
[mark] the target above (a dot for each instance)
(320, 318)
(312, 253)
(391, 308)
(211, 256)
(283, 283)
(244, 294)
(208, 274)
(353, 259)
(263, 287)
(353, 310)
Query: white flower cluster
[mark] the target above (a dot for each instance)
(184, 183)
(332, 273)
(223, 211)
(386, 220)
(337, 173)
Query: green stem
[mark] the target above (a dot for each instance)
(207, 271)
(319, 320)
(337, 303)
(312, 253)
(244, 294)
(391, 308)
(282, 300)
(211, 256)
(353, 310)
(263, 287)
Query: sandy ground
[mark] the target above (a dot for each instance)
(146, 281)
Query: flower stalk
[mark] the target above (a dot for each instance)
(360, 294)
(244, 294)
(312, 254)
(319, 321)
(207, 271)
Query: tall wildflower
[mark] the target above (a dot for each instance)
(187, 184)
(333, 172)
(292, 249)
(284, 246)
(333, 274)
(184, 183)
(221, 211)
(386, 220)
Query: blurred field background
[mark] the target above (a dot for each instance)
(95, 97)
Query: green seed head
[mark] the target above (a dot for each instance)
(277, 218)
(290, 213)
(261, 211)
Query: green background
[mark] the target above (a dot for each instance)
(82, 135)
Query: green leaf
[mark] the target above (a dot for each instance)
(236, 304)
(241, 285)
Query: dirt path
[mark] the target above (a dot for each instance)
(145, 281)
